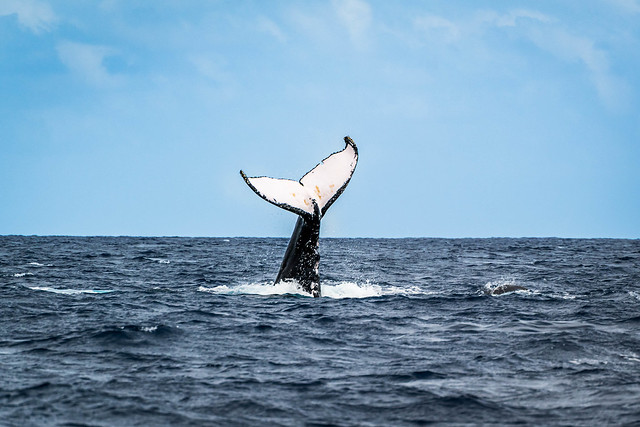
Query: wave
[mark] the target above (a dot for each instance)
(70, 291)
(159, 260)
(329, 290)
(634, 357)
(37, 264)
(22, 274)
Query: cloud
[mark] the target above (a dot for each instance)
(571, 48)
(511, 19)
(211, 69)
(631, 6)
(356, 16)
(567, 47)
(437, 27)
(87, 62)
(34, 15)
(269, 27)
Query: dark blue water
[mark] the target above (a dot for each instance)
(180, 331)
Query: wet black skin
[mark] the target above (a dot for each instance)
(503, 289)
(301, 259)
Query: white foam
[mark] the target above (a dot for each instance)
(489, 287)
(564, 296)
(22, 274)
(159, 260)
(264, 288)
(632, 357)
(336, 291)
(149, 328)
(37, 264)
(366, 290)
(587, 361)
(70, 291)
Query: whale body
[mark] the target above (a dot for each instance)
(505, 288)
(309, 198)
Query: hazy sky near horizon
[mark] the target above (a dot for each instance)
(472, 118)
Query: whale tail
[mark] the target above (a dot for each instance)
(309, 198)
(316, 191)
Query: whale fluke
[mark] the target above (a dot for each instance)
(309, 198)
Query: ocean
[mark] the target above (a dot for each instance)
(103, 331)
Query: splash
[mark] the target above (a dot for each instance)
(338, 290)
(367, 290)
(494, 287)
(70, 291)
(263, 288)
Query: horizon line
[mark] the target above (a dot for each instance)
(322, 237)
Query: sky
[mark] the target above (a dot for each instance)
(472, 118)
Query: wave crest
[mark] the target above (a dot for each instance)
(70, 291)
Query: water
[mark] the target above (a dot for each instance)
(181, 331)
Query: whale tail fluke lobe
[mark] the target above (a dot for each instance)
(310, 197)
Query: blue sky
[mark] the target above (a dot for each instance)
(472, 118)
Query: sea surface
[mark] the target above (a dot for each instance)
(105, 331)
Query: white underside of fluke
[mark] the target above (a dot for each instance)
(322, 185)
(283, 192)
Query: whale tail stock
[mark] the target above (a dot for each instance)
(310, 197)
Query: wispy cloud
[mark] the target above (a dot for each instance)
(572, 48)
(632, 6)
(210, 68)
(512, 18)
(551, 36)
(438, 28)
(545, 32)
(34, 15)
(87, 62)
(267, 26)
(356, 16)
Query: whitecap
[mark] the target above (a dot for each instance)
(564, 296)
(70, 291)
(367, 290)
(149, 328)
(264, 288)
(37, 264)
(159, 260)
(338, 290)
(22, 274)
(587, 361)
